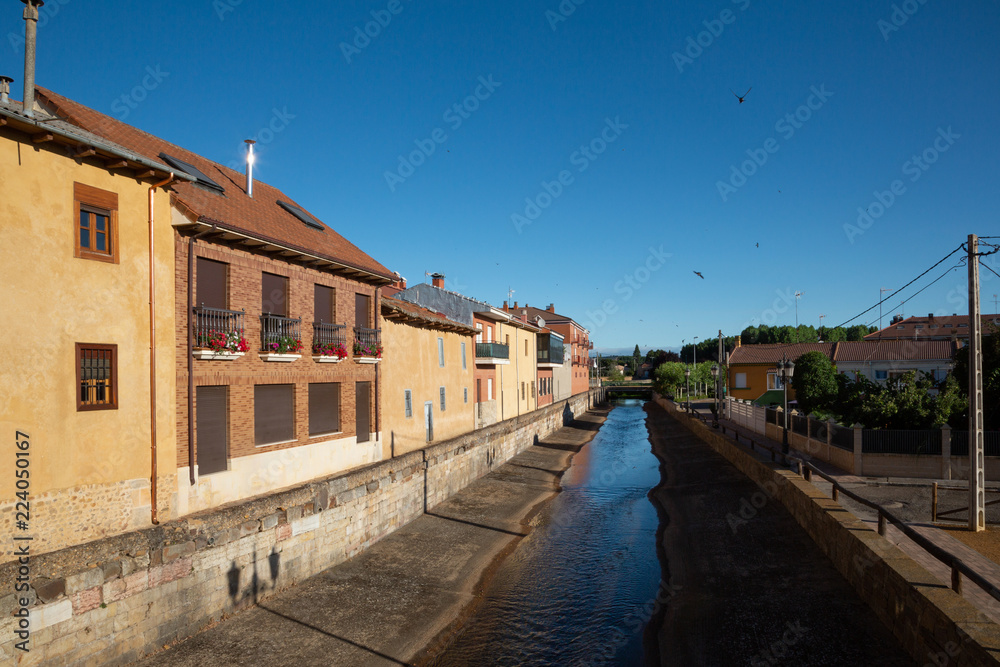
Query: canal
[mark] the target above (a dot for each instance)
(579, 589)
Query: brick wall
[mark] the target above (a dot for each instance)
(245, 268)
(116, 600)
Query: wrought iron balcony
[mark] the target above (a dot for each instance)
(281, 334)
(325, 333)
(367, 342)
(492, 351)
(219, 329)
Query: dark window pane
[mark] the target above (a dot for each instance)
(84, 237)
(274, 413)
(362, 404)
(99, 242)
(102, 222)
(324, 408)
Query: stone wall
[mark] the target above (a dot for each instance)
(932, 623)
(115, 600)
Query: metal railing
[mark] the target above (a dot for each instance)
(842, 437)
(492, 351)
(799, 424)
(901, 442)
(960, 443)
(329, 334)
(210, 322)
(276, 329)
(367, 342)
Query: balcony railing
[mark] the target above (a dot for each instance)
(218, 328)
(492, 351)
(277, 332)
(329, 334)
(367, 342)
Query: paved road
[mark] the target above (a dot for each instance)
(749, 592)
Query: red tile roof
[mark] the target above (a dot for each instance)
(940, 327)
(260, 216)
(894, 350)
(772, 354)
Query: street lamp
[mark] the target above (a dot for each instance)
(687, 387)
(694, 358)
(715, 417)
(785, 370)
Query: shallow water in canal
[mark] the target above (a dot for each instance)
(577, 590)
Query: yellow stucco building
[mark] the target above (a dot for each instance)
(428, 378)
(78, 409)
(518, 380)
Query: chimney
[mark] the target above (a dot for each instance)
(30, 38)
(524, 316)
(437, 279)
(515, 305)
(5, 89)
(551, 308)
(739, 341)
(399, 282)
(250, 159)
(505, 306)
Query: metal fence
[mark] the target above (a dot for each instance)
(800, 424)
(771, 416)
(915, 443)
(842, 437)
(960, 443)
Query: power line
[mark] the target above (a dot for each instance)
(942, 261)
(959, 265)
(988, 268)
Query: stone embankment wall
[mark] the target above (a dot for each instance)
(932, 622)
(115, 600)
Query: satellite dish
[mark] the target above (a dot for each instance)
(540, 321)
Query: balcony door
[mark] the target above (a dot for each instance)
(363, 413)
(362, 309)
(274, 294)
(211, 283)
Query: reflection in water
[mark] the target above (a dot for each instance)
(578, 589)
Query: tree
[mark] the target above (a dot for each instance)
(668, 377)
(815, 382)
(991, 381)
(615, 375)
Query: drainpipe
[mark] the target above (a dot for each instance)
(152, 352)
(378, 405)
(190, 350)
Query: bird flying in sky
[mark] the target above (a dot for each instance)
(699, 275)
(744, 94)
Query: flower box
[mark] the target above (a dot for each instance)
(367, 360)
(279, 356)
(326, 359)
(216, 355)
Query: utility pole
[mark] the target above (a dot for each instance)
(977, 479)
(718, 381)
(797, 296)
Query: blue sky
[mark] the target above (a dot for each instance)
(615, 120)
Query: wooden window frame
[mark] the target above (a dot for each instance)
(101, 202)
(113, 389)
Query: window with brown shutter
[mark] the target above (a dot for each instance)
(362, 311)
(273, 413)
(96, 377)
(95, 214)
(362, 410)
(212, 429)
(323, 306)
(324, 408)
(212, 284)
(274, 294)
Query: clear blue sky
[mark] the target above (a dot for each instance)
(226, 66)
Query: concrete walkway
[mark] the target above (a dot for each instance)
(980, 563)
(405, 596)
